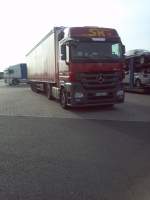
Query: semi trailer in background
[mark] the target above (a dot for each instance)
(80, 66)
(16, 74)
(137, 69)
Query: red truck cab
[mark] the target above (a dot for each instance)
(90, 63)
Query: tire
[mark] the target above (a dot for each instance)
(10, 83)
(138, 83)
(33, 87)
(15, 82)
(63, 99)
(49, 91)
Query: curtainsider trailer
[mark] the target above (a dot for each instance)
(80, 66)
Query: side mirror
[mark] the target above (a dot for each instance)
(63, 52)
(60, 35)
(123, 49)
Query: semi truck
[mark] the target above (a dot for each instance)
(137, 69)
(79, 66)
(16, 74)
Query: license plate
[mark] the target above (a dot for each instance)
(101, 94)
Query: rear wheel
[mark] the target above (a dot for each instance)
(33, 87)
(15, 82)
(63, 99)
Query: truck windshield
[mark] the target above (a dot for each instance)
(96, 51)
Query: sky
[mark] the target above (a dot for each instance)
(23, 23)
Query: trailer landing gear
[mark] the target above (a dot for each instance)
(49, 92)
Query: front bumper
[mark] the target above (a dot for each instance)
(93, 97)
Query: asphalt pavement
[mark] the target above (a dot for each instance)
(79, 154)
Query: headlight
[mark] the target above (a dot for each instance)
(78, 95)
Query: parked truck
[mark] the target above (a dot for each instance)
(16, 74)
(80, 66)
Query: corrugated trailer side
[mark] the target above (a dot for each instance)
(41, 60)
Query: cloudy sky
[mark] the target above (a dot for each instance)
(24, 22)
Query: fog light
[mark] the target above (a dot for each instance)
(78, 95)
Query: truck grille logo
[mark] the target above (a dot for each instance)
(100, 78)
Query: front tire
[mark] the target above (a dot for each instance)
(63, 99)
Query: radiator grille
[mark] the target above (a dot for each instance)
(98, 81)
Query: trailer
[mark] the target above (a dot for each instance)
(16, 74)
(79, 66)
(137, 71)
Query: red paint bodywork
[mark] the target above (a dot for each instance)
(95, 67)
(69, 72)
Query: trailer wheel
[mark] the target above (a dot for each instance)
(63, 99)
(15, 82)
(138, 83)
(49, 92)
(33, 87)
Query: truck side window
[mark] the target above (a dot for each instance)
(63, 52)
(115, 50)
